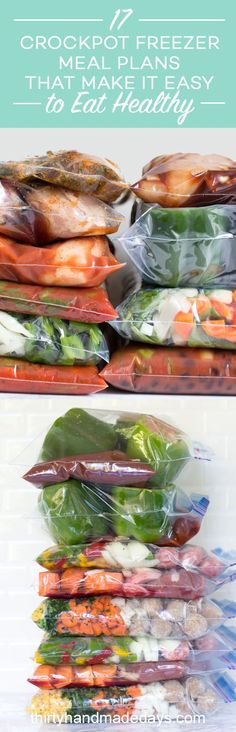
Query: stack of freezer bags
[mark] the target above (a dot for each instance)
(183, 243)
(126, 601)
(55, 214)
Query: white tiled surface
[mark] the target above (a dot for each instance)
(22, 536)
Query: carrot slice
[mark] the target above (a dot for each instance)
(219, 329)
(184, 324)
(225, 311)
(71, 581)
(100, 581)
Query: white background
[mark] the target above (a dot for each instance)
(210, 419)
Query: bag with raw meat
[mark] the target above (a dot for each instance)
(70, 169)
(39, 215)
(149, 582)
(82, 262)
(188, 179)
(77, 662)
(129, 554)
(169, 700)
(119, 616)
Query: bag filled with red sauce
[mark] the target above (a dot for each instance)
(172, 371)
(80, 262)
(31, 378)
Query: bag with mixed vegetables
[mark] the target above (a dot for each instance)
(30, 378)
(86, 305)
(51, 340)
(149, 582)
(79, 651)
(178, 247)
(179, 317)
(105, 661)
(119, 616)
(129, 554)
(187, 179)
(143, 369)
(169, 700)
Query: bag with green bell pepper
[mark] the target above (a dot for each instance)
(141, 437)
(175, 247)
(75, 511)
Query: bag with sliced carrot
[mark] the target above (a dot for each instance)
(179, 317)
(118, 616)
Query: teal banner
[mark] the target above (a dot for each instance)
(96, 64)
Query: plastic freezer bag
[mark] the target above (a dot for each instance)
(187, 179)
(157, 617)
(143, 369)
(59, 677)
(187, 246)
(164, 447)
(149, 582)
(51, 340)
(168, 700)
(38, 215)
(71, 169)
(90, 305)
(129, 554)
(128, 650)
(75, 511)
(30, 378)
(80, 262)
(179, 317)
(106, 468)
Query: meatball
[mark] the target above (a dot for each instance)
(161, 628)
(176, 610)
(174, 691)
(194, 626)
